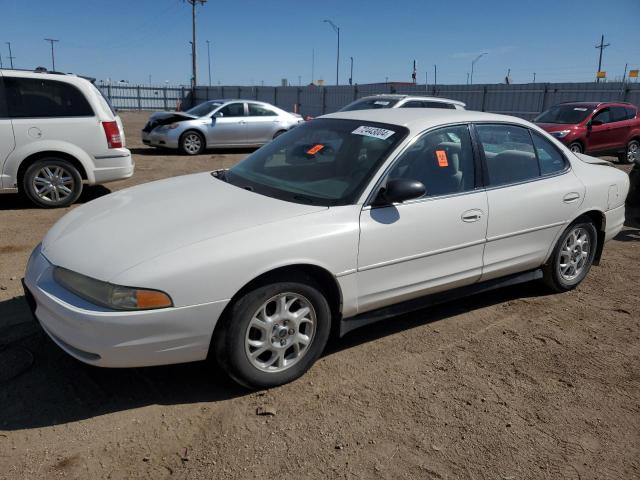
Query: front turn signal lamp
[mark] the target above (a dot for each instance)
(109, 295)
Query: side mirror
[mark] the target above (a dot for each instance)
(218, 115)
(399, 190)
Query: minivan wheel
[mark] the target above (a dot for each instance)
(632, 152)
(572, 257)
(52, 183)
(273, 334)
(575, 147)
(192, 143)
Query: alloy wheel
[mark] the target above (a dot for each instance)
(633, 152)
(280, 332)
(192, 143)
(53, 184)
(574, 254)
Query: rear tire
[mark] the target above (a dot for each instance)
(572, 256)
(631, 153)
(52, 183)
(262, 343)
(576, 147)
(192, 143)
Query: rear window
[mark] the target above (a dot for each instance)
(105, 100)
(38, 98)
(370, 104)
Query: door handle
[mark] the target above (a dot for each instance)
(471, 216)
(571, 197)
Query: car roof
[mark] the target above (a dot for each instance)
(595, 104)
(399, 96)
(419, 119)
(58, 76)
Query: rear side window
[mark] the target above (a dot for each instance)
(550, 159)
(3, 103)
(36, 98)
(631, 112)
(256, 110)
(441, 159)
(618, 114)
(509, 153)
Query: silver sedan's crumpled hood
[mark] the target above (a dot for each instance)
(116, 232)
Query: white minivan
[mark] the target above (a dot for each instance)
(57, 132)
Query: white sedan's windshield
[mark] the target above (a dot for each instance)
(324, 162)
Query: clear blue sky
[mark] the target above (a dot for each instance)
(266, 40)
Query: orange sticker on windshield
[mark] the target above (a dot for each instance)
(315, 149)
(442, 158)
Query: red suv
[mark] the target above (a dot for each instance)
(595, 128)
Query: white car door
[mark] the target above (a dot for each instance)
(532, 194)
(432, 243)
(7, 140)
(228, 125)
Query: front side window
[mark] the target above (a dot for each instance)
(36, 98)
(256, 110)
(323, 162)
(603, 116)
(441, 159)
(509, 154)
(232, 110)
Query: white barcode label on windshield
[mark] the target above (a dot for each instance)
(374, 132)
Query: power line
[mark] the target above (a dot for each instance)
(194, 72)
(602, 46)
(53, 55)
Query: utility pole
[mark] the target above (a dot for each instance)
(602, 46)
(351, 74)
(467, 78)
(53, 56)
(11, 57)
(337, 30)
(313, 65)
(435, 76)
(534, 77)
(209, 61)
(194, 72)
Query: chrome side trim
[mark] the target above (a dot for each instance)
(347, 272)
(102, 157)
(522, 232)
(421, 255)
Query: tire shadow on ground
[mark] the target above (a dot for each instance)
(17, 201)
(43, 386)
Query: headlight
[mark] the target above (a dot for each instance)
(171, 126)
(561, 133)
(109, 295)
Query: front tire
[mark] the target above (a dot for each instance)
(576, 147)
(192, 143)
(572, 257)
(273, 334)
(52, 183)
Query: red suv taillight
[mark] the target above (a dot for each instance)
(111, 130)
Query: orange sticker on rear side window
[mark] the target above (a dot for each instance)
(315, 149)
(442, 158)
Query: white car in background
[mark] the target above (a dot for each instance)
(218, 123)
(348, 219)
(374, 102)
(57, 132)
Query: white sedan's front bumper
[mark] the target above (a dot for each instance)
(109, 338)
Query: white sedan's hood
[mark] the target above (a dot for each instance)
(114, 233)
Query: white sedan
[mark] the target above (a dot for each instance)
(348, 219)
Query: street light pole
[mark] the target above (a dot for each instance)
(473, 64)
(337, 30)
(11, 57)
(209, 61)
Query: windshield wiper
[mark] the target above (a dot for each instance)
(303, 198)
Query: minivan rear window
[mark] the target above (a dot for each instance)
(39, 98)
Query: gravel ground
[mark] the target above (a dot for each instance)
(513, 384)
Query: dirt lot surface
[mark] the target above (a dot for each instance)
(515, 384)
